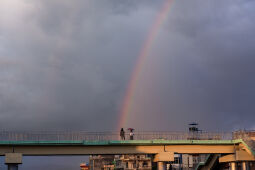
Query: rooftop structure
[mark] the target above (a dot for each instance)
(84, 166)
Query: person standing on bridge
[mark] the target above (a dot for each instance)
(131, 134)
(122, 134)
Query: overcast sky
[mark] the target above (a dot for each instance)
(66, 64)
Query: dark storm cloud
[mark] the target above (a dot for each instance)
(62, 64)
(210, 63)
(66, 63)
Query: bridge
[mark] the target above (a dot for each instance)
(222, 147)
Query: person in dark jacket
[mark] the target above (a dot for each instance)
(122, 134)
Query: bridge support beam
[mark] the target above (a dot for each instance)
(12, 160)
(164, 157)
(161, 159)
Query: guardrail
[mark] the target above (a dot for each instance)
(104, 136)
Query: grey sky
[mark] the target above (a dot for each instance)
(66, 64)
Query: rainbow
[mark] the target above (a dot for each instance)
(136, 73)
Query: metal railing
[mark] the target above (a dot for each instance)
(105, 136)
(246, 136)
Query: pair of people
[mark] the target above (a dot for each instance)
(131, 134)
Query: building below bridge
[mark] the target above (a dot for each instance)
(143, 162)
(120, 162)
(133, 162)
(101, 162)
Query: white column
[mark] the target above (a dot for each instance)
(233, 166)
(161, 166)
(244, 166)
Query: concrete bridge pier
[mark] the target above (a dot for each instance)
(161, 159)
(12, 166)
(244, 166)
(12, 160)
(233, 165)
(161, 166)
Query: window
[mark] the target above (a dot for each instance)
(145, 164)
(176, 160)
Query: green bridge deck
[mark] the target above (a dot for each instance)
(125, 142)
